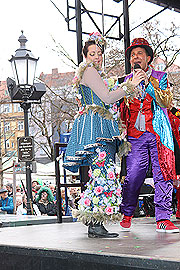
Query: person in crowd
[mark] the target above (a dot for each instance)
(53, 189)
(150, 133)
(22, 208)
(18, 199)
(66, 202)
(9, 188)
(45, 202)
(6, 203)
(34, 184)
(18, 189)
(35, 187)
(94, 138)
(73, 197)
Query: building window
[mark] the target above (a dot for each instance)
(7, 144)
(7, 108)
(6, 127)
(20, 125)
(17, 108)
(12, 144)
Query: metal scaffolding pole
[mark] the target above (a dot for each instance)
(126, 33)
(79, 31)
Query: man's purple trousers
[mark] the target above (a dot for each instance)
(137, 163)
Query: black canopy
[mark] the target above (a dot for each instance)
(175, 4)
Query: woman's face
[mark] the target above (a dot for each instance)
(44, 195)
(95, 54)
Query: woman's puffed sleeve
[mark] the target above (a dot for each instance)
(94, 81)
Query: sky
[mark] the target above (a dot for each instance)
(42, 22)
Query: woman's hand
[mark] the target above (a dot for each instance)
(139, 76)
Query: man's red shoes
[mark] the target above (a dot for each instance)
(126, 223)
(166, 226)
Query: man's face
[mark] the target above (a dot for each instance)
(4, 195)
(8, 188)
(139, 56)
(34, 184)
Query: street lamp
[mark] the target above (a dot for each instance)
(22, 89)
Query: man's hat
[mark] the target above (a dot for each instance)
(139, 42)
(2, 190)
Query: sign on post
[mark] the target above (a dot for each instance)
(25, 149)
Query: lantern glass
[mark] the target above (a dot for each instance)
(31, 70)
(19, 68)
(24, 70)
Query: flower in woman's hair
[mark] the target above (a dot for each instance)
(102, 155)
(109, 210)
(87, 202)
(111, 175)
(98, 38)
(98, 190)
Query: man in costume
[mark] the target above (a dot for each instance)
(150, 134)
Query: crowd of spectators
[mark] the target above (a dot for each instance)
(43, 202)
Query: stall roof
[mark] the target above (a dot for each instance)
(175, 4)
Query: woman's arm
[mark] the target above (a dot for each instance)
(92, 79)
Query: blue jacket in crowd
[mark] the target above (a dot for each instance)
(7, 205)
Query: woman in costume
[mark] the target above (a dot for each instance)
(94, 140)
(45, 202)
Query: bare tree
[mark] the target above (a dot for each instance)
(162, 40)
(58, 106)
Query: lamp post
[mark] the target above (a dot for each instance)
(24, 67)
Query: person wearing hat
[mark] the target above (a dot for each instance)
(6, 203)
(150, 134)
(10, 189)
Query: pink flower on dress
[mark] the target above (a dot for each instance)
(102, 155)
(90, 173)
(82, 195)
(111, 175)
(100, 164)
(109, 210)
(87, 202)
(118, 192)
(98, 190)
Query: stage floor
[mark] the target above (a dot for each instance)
(141, 242)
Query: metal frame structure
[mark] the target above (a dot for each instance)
(57, 148)
(81, 9)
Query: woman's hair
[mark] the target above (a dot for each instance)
(89, 43)
(48, 191)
